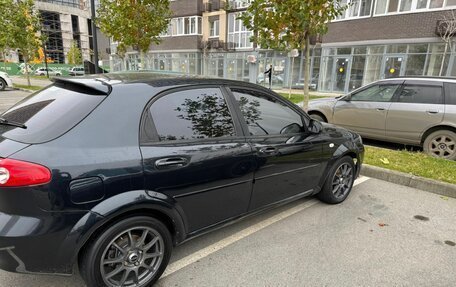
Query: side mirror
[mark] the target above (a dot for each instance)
(347, 98)
(293, 128)
(314, 126)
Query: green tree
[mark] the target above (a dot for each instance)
(5, 31)
(289, 24)
(134, 23)
(25, 28)
(74, 55)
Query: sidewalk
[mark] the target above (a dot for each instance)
(313, 93)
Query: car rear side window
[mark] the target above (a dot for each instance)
(48, 114)
(265, 115)
(192, 114)
(421, 94)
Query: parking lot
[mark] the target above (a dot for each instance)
(382, 235)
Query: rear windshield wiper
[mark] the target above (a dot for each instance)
(4, 121)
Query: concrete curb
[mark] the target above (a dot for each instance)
(430, 185)
(24, 90)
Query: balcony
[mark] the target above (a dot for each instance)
(214, 5)
(238, 4)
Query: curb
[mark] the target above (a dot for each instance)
(429, 185)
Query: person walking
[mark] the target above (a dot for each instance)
(269, 73)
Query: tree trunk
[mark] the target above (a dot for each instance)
(443, 59)
(291, 76)
(4, 61)
(143, 60)
(27, 71)
(305, 103)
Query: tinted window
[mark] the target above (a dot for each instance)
(376, 93)
(48, 114)
(265, 115)
(192, 114)
(450, 94)
(421, 94)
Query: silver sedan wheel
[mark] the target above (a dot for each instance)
(441, 144)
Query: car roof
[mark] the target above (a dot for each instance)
(154, 79)
(422, 78)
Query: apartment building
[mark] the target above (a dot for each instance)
(373, 39)
(65, 21)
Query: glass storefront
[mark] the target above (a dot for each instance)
(345, 69)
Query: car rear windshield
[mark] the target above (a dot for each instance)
(49, 113)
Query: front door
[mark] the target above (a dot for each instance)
(195, 156)
(365, 111)
(288, 160)
(393, 66)
(340, 72)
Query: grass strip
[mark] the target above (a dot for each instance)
(416, 163)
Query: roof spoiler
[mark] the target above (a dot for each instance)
(89, 86)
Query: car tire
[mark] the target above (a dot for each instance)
(317, 117)
(442, 144)
(340, 181)
(57, 75)
(2, 84)
(121, 255)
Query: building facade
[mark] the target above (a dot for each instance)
(373, 39)
(64, 22)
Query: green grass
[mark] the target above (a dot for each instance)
(416, 163)
(297, 98)
(32, 88)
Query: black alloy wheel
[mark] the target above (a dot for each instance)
(132, 252)
(339, 182)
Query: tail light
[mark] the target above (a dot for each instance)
(15, 173)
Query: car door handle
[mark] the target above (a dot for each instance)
(432, 112)
(171, 162)
(380, 109)
(268, 151)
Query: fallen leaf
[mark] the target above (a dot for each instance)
(384, 160)
(444, 197)
(382, 224)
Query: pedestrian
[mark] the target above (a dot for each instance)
(269, 73)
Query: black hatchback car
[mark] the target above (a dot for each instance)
(110, 172)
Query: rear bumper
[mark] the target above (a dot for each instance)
(33, 244)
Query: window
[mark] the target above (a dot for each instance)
(184, 26)
(215, 28)
(376, 93)
(421, 94)
(356, 8)
(192, 114)
(238, 35)
(266, 116)
(450, 94)
(394, 6)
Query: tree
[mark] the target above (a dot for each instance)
(447, 31)
(26, 26)
(74, 55)
(5, 31)
(289, 24)
(134, 23)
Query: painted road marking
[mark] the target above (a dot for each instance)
(202, 253)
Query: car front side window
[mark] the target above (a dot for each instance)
(376, 93)
(265, 115)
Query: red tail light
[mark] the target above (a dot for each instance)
(14, 173)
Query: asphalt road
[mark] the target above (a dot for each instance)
(382, 235)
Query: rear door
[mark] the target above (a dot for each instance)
(418, 106)
(195, 154)
(365, 110)
(289, 160)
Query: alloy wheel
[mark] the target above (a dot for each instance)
(442, 146)
(132, 258)
(342, 180)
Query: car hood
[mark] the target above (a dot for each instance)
(336, 131)
(328, 102)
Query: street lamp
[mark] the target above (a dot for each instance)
(94, 36)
